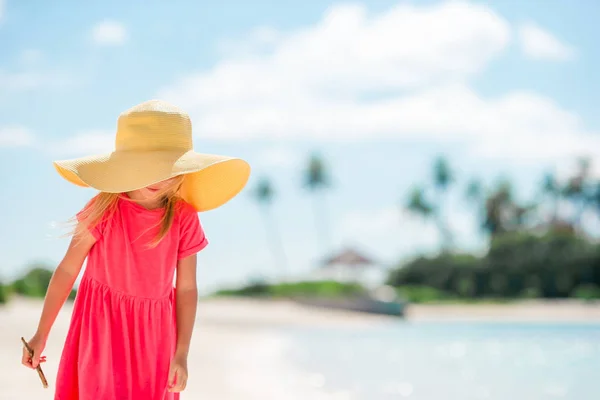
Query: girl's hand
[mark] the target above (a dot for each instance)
(178, 374)
(37, 344)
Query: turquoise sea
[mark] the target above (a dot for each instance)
(462, 361)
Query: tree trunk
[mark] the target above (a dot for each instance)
(275, 242)
(581, 206)
(321, 224)
(445, 234)
(555, 207)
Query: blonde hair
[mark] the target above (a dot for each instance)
(104, 204)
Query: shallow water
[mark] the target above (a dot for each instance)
(427, 361)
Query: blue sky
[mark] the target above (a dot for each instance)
(379, 88)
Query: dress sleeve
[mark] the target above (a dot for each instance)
(98, 228)
(192, 238)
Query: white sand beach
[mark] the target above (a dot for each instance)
(237, 352)
(522, 311)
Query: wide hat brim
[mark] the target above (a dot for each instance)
(210, 180)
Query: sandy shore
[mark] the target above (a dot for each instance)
(237, 351)
(533, 311)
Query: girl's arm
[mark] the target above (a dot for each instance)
(186, 300)
(59, 288)
(62, 281)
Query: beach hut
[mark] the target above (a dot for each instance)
(350, 265)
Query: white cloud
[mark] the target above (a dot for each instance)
(85, 143)
(538, 43)
(346, 55)
(15, 136)
(109, 33)
(354, 76)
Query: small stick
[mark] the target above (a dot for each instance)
(39, 367)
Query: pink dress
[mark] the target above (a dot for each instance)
(122, 334)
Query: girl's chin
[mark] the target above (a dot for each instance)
(148, 196)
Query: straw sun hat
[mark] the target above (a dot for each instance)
(154, 143)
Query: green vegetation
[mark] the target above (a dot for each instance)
(3, 293)
(33, 284)
(422, 294)
(296, 289)
(519, 265)
(537, 249)
(587, 292)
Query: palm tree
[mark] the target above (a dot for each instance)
(442, 174)
(551, 189)
(577, 189)
(417, 204)
(498, 211)
(474, 190)
(442, 179)
(263, 194)
(317, 181)
(474, 195)
(595, 197)
(503, 213)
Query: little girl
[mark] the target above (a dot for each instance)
(130, 329)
